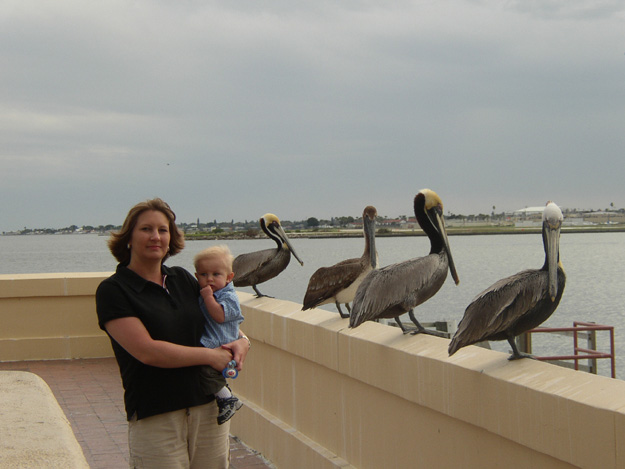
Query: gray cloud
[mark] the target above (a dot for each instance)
(230, 110)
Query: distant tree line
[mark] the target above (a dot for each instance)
(250, 228)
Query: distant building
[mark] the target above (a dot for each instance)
(529, 211)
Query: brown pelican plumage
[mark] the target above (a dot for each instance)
(396, 289)
(520, 302)
(253, 268)
(337, 284)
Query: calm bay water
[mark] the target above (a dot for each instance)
(595, 288)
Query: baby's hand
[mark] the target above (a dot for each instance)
(207, 294)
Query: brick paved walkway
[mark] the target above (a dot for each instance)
(91, 395)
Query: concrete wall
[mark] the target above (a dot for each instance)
(323, 395)
(34, 431)
(50, 316)
(318, 394)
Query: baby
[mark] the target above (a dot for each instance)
(220, 305)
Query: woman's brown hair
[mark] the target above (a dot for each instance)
(118, 242)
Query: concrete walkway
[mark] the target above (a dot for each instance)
(90, 393)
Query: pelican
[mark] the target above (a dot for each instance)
(518, 303)
(339, 282)
(398, 288)
(253, 268)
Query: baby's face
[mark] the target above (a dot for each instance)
(213, 272)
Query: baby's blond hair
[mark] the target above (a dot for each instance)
(220, 251)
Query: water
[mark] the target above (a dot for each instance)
(593, 263)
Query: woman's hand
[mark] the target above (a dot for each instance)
(239, 349)
(220, 357)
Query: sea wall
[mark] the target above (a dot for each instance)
(50, 316)
(318, 394)
(34, 431)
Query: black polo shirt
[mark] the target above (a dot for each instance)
(171, 315)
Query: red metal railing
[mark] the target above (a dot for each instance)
(579, 353)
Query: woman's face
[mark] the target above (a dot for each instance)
(150, 237)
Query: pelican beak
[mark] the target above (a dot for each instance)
(552, 244)
(439, 223)
(286, 241)
(370, 229)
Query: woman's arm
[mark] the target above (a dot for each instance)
(239, 349)
(131, 334)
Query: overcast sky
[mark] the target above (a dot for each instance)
(231, 109)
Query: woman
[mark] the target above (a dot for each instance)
(152, 316)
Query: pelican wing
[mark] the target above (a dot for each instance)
(326, 282)
(397, 288)
(247, 266)
(498, 308)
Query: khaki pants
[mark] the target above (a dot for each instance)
(182, 439)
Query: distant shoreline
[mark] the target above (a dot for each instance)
(356, 233)
(451, 231)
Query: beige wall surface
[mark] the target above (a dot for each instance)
(319, 394)
(50, 316)
(34, 432)
(372, 397)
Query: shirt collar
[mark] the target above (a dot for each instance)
(135, 280)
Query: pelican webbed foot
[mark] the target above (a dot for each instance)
(401, 326)
(516, 355)
(259, 294)
(343, 315)
(420, 328)
(521, 355)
